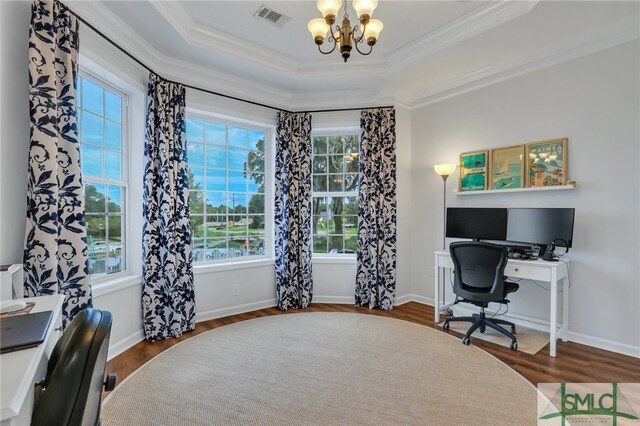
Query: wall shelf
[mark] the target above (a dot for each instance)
(501, 191)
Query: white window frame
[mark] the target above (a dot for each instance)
(87, 74)
(333, 131)
(269, 142)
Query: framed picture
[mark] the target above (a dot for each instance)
(547, 163)
(507, 167)
(473, 171)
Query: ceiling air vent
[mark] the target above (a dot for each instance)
(271, 16)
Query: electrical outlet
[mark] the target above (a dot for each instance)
(235, 290)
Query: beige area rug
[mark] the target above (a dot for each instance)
(322, 369)
(529, 341)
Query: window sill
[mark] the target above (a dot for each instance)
(206, 268)
(102, 288)
(334, 260)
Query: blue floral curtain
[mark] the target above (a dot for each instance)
(376, 272)
(294, 284)
(168, 300)
(55, 253)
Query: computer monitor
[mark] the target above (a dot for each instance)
(540, 226)
(477, 223)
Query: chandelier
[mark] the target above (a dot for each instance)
(345, 35)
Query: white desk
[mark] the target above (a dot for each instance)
(539, 270)
(21, 369)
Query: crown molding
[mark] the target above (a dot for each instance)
(595, 41)
(473, 23)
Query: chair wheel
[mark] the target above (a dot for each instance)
(513, 329)
(466, 341)
(445, 326)
(514, 346)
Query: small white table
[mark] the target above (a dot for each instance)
(538, 270)
(20, 370)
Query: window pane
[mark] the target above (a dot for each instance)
(96, 231)
(256, 140)
(319, 244)
(113, 165)
(256, 225)
(216, 157)
(91, 129)
(351, 225)
(216, 203)
(113, 106)
(198, 252)
(91, 96)
(319, 205)
(256, 203)
(94, 198)
(336, 163)
(319, 225)
(237, 225)
(351, 144)
(351, 182)
(91, 161)
(115, 199)
(320, 183)
(237, 182)
(115, 259)
(195, 154)
(237, 137)
(196, 202)
(196, 178)
(255, 161)
(112, 136)
(320, 145)
(256, 182)
(216, 226)
(237, 203)
(238, 247)
(351, 244)
(351, 165)
(350, 205)
(197, 226)
(335, 182)
(257, 245)
(237, 159)
(216, 180)
(335, 243)
(115, 229)
(320, 164)
(335, 145)
(216, 249)
(195, 131)
(216, 134)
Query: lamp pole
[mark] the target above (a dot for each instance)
(444, 170)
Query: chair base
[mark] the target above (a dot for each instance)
(481, 322)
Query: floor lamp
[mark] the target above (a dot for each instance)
(444, 170)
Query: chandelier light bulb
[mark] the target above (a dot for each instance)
(329, 9)
(318, 29)
(372, 31)
(364, 9)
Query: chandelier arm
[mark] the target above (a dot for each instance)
(362, 53)
(355, 29)
(326, 53)
(333, 36)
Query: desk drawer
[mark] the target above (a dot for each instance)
(56, 332)
(518, 270)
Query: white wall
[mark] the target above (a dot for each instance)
(594, 101)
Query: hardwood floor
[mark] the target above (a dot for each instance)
(574, 362)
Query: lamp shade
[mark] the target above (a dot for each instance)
(372, 30)
(329, 7)
(444, 169)
(318, 29)
(365, 7)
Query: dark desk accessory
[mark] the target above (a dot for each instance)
(549, 253)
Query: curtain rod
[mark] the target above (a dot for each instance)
(148, 68)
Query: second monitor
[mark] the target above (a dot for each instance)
(477, 223)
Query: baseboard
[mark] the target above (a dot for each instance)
(401, 300)
(117, 348)
(233, 310)
(537, 324)
(607, 345)
(343, 300)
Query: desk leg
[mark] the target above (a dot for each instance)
(553, 317)
(436, 293)
(565, 308)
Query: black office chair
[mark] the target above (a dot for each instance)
(71, 392)
(479, 280)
